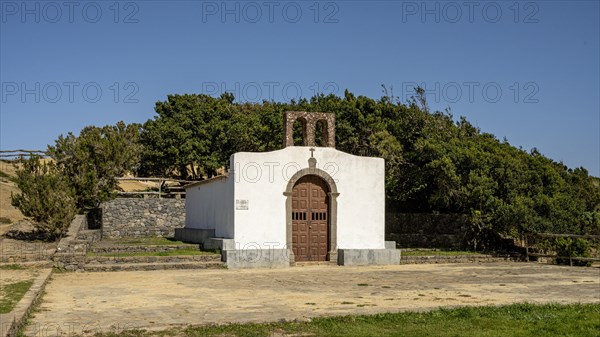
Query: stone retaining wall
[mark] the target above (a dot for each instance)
(423, 230)
(136, 217)
(457, 259)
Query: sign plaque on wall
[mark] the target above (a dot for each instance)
(241, 204)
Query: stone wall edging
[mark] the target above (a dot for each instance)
(23, 308)
(456, 259)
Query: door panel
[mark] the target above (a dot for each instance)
(310, 237)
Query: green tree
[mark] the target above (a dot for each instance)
(569, 247)
(45, 196)
(95, 158)
(434, 163)
(193, 136)
(188, 137)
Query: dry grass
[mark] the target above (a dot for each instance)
(7, 187)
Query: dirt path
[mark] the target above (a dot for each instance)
(77, 302)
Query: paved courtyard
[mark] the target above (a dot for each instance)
(77, 302)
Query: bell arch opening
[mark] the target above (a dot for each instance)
(299, 132)
(311, 122)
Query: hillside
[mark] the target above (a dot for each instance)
(7, 211)
(10, 215)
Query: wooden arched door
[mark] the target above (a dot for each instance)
(310, 218)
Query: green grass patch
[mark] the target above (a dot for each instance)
(513, 320)
(5, 221)
(11, 294)
(145, 241)
(12, 267)
(174, 252)
(433, 252)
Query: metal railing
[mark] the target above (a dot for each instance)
(19, 154)
(556, 256)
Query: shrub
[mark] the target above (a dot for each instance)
(45, 197)
(569, 247)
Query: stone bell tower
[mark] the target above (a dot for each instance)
(309, 122)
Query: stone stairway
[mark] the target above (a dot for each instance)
(85, 249)
(105, 256)
(130, 263)
(128, 258)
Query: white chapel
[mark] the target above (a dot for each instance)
(298, 204)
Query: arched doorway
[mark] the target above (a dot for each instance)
(310, 219)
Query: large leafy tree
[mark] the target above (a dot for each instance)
(193, 136)
(188, 137)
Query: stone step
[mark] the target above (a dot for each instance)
(76, 245)
(153, 266)
(140, 248)
(314, 263)
(86, 234)
(12, 257)
(152, 259)
(30, 264)
(79, 241)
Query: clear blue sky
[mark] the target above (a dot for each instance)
(527, 71)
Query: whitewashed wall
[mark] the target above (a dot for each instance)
(209, 205)
(261, 179)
